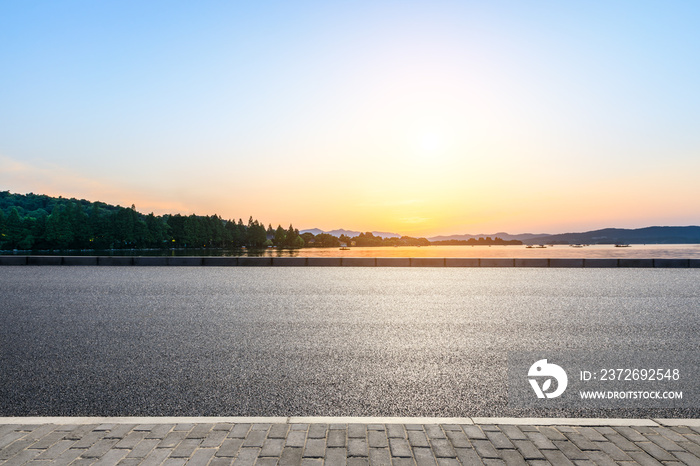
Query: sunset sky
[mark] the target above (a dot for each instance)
(421, 118)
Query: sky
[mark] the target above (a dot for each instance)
(420, 118)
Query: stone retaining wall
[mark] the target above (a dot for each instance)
(347, 262)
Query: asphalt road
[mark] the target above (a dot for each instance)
(318, 341)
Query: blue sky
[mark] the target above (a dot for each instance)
(417, 117)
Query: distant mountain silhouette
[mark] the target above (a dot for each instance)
(350, 233)
(502, 235)
(648, 235)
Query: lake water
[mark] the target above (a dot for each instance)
(636, 251)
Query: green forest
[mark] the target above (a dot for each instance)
(40, 222)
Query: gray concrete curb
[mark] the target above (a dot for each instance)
(530, 421)
(244, 261)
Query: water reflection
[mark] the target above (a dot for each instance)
(659, 251)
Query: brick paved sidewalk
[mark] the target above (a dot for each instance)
(316, 443)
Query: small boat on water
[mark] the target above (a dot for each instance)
(541, 246)
(622, 246)
(577, 245)
(345, 248)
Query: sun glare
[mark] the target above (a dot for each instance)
(431, 142)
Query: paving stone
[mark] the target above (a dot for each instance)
(687, 458)
(214, 439)
(230, 447)
(414, 427)
(261, 426)
(42, 430)
(670, 434)
(395, 431)
(89, 439)
(303, 427)
(239, 431)
(448, 462)
(399, 447)
(105, 427)
(379, 457)
(338, 426)
(186, 448)
(570, 450)
(201, 457)
(474, 432)
(55, 450)
(336, 456)
(485, 449)
(377, 439)
(452, 427)
(22, 457)
(622, 442)
(225, 426)
(491, 427)
(458, 439)
(184, 426)
(613, 451)
(580, 441)
(601, 459)
(311, 462)
(120, 431)
(278, 431)
(468, 456)
(131, 440)
(396, 461)
(44, 442)
(376, 427)
(200, 431)
(442, 448)
(434, 431)
(172, 440)
(143, 448)
(111, 458)
(14, 448)
(630, 434)
(145, 427)
(156, 457)
(551, 433)
(513, 432)
(336, 438)
(290, 456)
(174, 462)
(100, 448)
(418, 439)
(221, 461)
(317, 431)
(655, 451)
(424, 457)
(529, 450)
(67, 457)
(315, 448)
(499, 440)
(357, 430)
(296, 439)
(272, 447)
(665, 443)
(693, 448)
(79, 432)
(160, 431)
(557, 458)
(643, 459)
(494, 462)
(513, 458)
(356, 462)
(246, 456)
(605, 430)
(591, 434)
(255, 438)
(265, 461)
(358, 447)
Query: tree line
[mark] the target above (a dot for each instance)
(40, 222)
(34, 221)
